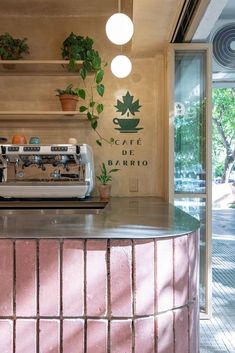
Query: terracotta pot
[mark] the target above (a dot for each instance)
(68, 102)
(19, 140)
(8, 66)
(104, 191)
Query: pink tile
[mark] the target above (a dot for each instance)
(6, 336)
(144, 277)
(49, 278)
(121, 336)
(121, 277)
(25, 336)
(165, 333)
(97, 336)
(96, 277)
(73, 277)
(49, 336)
(181, 328)
(144, 335)
(181, 274)
(6, 277)
(164, 264)
(26, 284)
(73, 336)
(193, 265)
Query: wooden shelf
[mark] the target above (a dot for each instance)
(43, 62)
(39, 112)
(42, 115)
(37, 68)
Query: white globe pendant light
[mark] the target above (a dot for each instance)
(121, 66)
(119, 28)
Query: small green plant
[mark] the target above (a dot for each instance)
(68, 90)
(79, 48)
(12, 48)
(105, 175)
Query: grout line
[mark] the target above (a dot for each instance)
(61, 294)
(37, 297)
(133, 292)
(14, 296)
(109, 313)
(85, 296)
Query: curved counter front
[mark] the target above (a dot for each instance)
(120, 280)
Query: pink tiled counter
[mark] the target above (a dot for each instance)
(99, 295)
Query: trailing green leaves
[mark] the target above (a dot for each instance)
(99, 108)
(81, 48)
(82, 109)
(100, 89)
(82, 93)
(99, 76)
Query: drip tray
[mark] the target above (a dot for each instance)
(54, 203)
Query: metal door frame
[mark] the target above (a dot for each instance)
(172, 48)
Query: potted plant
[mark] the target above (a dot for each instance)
(105, 178)
(80, 48)
(68, 97)
(12, 48)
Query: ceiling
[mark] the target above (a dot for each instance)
(154, 20)
(228, 12)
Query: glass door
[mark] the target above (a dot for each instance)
(190, 151)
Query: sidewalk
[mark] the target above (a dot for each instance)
(218, 334)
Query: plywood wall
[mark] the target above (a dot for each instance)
(138, 154)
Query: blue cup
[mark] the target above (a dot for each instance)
(34, 140)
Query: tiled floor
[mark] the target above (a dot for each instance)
(218, 334)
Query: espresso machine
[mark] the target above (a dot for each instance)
(46, 171)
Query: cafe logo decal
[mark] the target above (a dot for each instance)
(128, 122)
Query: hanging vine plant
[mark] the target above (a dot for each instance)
(80, 48)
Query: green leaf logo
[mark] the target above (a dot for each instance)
(127, 105)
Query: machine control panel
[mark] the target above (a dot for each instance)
(13, 149)
(59, 148)
(31, 149)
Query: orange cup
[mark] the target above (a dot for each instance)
(19, 140)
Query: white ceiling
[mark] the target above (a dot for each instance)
(229, 11)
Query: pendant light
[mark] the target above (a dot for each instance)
(121, 66)
(119, 27)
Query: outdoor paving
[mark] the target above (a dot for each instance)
(218, 334)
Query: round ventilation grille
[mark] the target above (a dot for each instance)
(224, 46)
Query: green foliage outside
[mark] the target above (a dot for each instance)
(223, 134)
(189, 144)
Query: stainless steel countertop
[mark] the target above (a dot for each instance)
(127, 217)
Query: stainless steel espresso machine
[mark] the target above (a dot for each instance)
(46, 171)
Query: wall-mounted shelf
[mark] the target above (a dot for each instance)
(37, 68)
(39, 112)
(43, 114)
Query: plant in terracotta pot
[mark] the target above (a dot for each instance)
(68, 97)
(105, 178)
(12, 48)
(80, 48)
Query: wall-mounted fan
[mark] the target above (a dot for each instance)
(224, 46)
